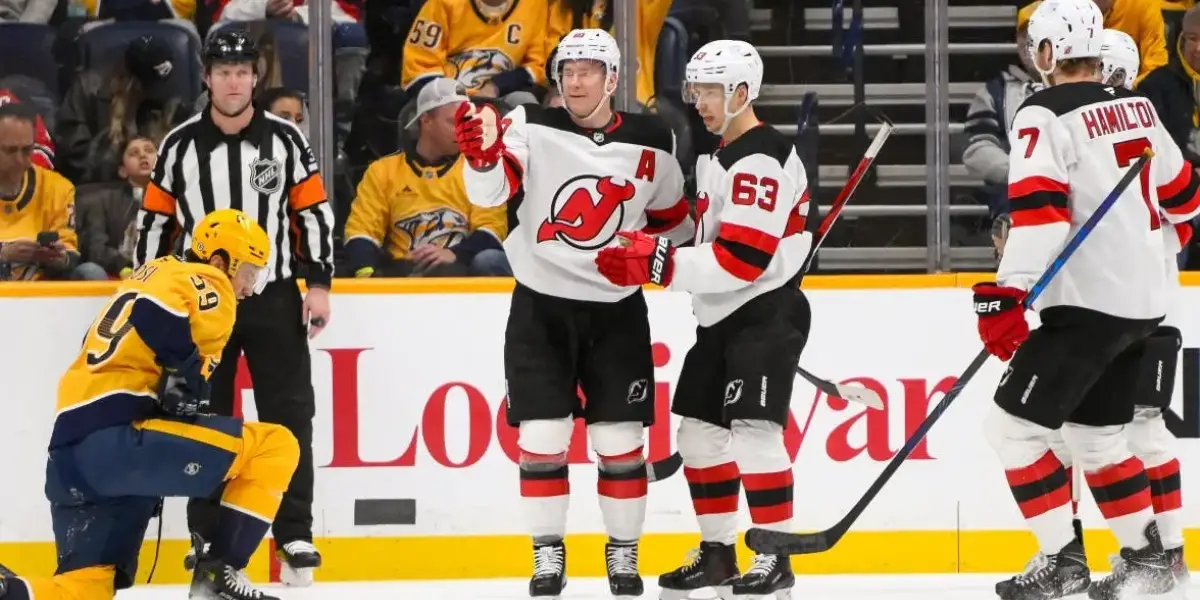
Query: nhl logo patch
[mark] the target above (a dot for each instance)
(266, 176)
(598, 137)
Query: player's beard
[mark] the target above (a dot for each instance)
(232, 114)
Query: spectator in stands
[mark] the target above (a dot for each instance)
(180, 13)
(27, 11)
(287, 104)
(108, 218)
(37, 209)
(412, 215)
(43, 145)
(566, 15)
(1172, 89)
(103, 111)
(495, 48)
(343, 11)
(989, 115)
(1141, 19)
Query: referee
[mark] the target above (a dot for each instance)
(234, 155)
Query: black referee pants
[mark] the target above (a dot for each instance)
(270, 332)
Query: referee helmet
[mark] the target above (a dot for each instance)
(230, 46)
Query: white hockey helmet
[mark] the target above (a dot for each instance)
(587, 44)
(729, 63)
(1073, 28)
(1119, 59)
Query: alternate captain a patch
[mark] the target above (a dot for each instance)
(266, 175)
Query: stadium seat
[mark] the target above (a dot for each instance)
(670, 60)
(27, 50)
(99, 48)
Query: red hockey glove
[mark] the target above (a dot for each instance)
(639, 259)
(479, 134)
(1002, 325)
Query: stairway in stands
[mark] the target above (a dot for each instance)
(795, 39)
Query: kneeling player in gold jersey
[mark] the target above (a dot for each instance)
(131, 429)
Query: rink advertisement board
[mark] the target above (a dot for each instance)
(416, 474)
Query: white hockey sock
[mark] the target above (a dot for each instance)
(622, 487)
(545, 493)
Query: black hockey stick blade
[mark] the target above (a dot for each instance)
(853, 393)
(766, 541)
(662, 469)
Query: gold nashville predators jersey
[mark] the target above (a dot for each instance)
(404, 202)
(459, 40)
(45, 202)
(164, 310)
(651, 16)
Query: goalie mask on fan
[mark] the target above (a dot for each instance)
(1119, 59)
(585, 68)
(1064, 39)
(722, 79)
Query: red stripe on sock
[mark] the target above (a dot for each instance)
(714, 474)
(1115, 473)
(1168, 501)
(761, 515)
(1128, 474)
(1038, 471)
(1172, 500)
(544, 488)
(767, 481)
(715, 506)
(1071, 486)
(622, 489)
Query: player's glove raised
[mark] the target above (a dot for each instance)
(479, 133)
(183, 391)
(1002, 325)
(640, 259)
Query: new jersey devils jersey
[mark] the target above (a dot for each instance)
(1071, 143)
(752, 202)
(570, 190)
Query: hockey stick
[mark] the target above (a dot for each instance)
(765, 541)
(853, 393)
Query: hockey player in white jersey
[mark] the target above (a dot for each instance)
(1147, 435)
(1080, 371)
(736, 384)
(573, 177)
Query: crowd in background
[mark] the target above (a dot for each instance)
(1167, 33)
(79, 144)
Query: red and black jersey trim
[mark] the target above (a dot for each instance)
(744, 252)
(1182, 195)
(1039, 201)
(664, 220)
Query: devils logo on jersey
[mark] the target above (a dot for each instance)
(586, 212)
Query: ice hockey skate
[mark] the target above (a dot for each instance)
(621, 561)
(1047, 577)
(1142, 571)
(769, 575)
(297, 560)
(212, 579)
(712, 565)
(549, 571)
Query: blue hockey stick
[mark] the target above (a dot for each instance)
(765, 541)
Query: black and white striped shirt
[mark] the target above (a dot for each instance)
(267, 171)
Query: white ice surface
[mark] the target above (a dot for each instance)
(825, 587)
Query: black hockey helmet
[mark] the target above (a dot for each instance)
(230, 46)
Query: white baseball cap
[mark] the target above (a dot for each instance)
(437, 93)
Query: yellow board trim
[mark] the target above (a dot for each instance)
(503, 285)
(481, 557)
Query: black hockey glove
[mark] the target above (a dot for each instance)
(183, 391)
